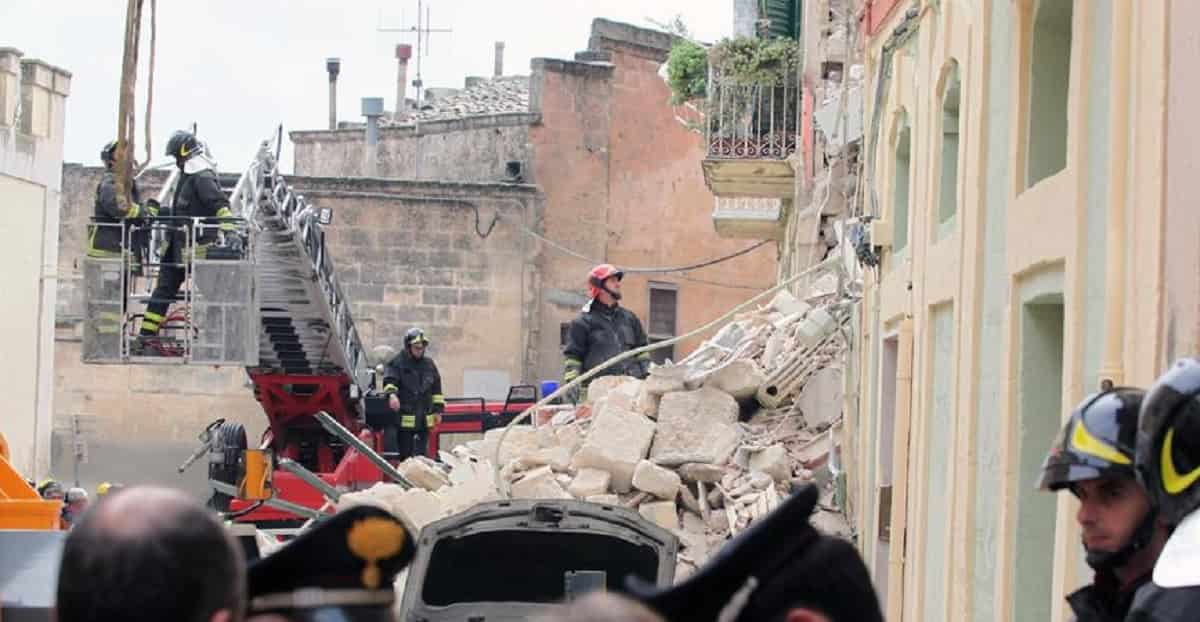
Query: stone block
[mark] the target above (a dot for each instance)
(439, 296)
(476, 297)
(590, 483)
(416, 505)
(423, 473)
(695, 426)
(557, 458)
(538, 484)
(740, 379)
(821, 398)
(773, 461)
(700, 472)
(617, 441)
(569, 436)
(660, 482)
(602, 386)
(661, 513)
(647, 402)
(521, 440)
(464, 495)
(665, 379)
(609, 499)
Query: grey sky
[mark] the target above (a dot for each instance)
(239, 68)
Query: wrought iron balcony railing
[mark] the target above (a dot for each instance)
(753, 121)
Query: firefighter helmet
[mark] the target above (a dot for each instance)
(1098, 441)
(1168, 441)
(183, 145)
(415, 335)
(108, 154)
(51, 489)
(599, 275)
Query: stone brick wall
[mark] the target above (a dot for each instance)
(407, 254)
(473, 149)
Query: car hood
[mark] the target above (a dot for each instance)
(508, 560)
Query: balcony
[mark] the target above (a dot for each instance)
(751, 132)
(749, 218)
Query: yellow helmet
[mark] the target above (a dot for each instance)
(103, 489)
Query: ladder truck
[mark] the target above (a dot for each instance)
(265, 297)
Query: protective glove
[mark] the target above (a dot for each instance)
(642, 369)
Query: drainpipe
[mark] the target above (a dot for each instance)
(900, 446)
(372, 109)
(498, 61)
(1112, 369)
(333, 66)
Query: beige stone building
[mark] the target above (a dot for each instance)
(1027, 168)
(32, 119)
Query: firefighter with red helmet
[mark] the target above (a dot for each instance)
(414, 388)
(604, 329)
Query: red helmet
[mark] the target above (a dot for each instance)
(599, 275)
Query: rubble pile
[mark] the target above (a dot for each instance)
(703, 447)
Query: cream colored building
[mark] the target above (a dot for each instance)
(1015, 160)
(32, 113)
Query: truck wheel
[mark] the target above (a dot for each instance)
(225, 456)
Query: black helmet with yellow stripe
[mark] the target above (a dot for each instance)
(1168, 441)
(1098, 441)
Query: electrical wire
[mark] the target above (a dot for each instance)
(686, 268)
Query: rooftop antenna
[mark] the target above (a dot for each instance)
(421, 30)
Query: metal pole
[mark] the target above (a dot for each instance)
(333, 427)
(310, 478)
(295, 508)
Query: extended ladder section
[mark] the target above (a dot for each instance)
(306, 324)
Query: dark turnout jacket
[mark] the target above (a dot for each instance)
(417, 384)
(600, 333)
(106, 237)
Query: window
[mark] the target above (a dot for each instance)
(948, 199)
(563, 329)
(1049, 78)
(784, 16)
(900, 184)
(661, 324)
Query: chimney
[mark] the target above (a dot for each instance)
(333, 66)
(372, 109)
(499, 70)
(403, 53)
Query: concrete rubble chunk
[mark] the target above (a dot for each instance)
(470, 491)
(569, 436)
(557, 458)
(665, 379)
(660, 482)
(617, 441)
(787, 304)
(700, 472)
(821, 398)
(603, 386)
(521, 440)
(689, 500)
(647, 402)
(538, 484)
(696, 426)
(424, 473)
(609, 499)
(661, 513)
(740, 379)
(590, 483)
(693, 523)
(416, 505)
(773, 461)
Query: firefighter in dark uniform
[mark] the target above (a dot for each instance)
(414, 389)
(344, 568)
(603, 330)
(198, 194)
(1093, 458)
(105, 237)
(104, 242)
(1168, 465)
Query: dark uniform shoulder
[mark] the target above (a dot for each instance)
(1154, 603)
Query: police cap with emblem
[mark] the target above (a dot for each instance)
(779, 563)
(341, 569)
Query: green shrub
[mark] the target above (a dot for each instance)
(687, 71)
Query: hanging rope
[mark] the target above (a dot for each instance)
(125, 116)
(150, 83)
